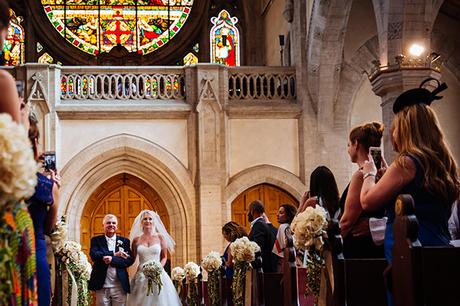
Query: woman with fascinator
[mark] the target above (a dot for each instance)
(423, 168)
(151, 241)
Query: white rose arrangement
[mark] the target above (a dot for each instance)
(244, 252)
(152, 270)
(177, 276)
(212, 263)
(309, 228)
(75, 262)
(17, 164)
(192, 271)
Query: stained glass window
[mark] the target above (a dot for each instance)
(46, 59)
(190, 59)
(225, 40)
(13, 48)
(96, 26)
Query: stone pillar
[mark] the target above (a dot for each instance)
(42, 93)
(389, 85)
(211, 154)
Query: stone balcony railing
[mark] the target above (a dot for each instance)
(92, 89)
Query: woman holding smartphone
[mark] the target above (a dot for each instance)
(43, 210)
(423, 168)
(354, 223)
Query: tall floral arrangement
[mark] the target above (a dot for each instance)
(76, 263)
(309, 228)
(192, 271)
(17, 182)
(212, 264)
(244, 252)
(178, 275)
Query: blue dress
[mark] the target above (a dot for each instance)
(431, 213)
(228, 270)
(38, 209)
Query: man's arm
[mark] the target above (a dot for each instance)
(120, 262)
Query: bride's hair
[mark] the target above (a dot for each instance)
(158, 227)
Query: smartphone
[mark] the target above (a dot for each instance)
(376, 153)
(49, 161)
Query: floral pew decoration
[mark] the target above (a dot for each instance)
(177, 276)
(309, 228)
(73, 264)
(192, 272)
(244, 253)
(212, 264)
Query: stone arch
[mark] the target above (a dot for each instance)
(140, 158)
(261, 174)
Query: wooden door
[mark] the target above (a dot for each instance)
(272, 197)
(124, 196)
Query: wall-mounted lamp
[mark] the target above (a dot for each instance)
(416, 50)
(281, 39)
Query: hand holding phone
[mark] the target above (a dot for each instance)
(49, 161)
(376, 153)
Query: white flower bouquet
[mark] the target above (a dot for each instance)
(177, 274)
(192, 270)
(244, 250)
(59, 235)
(152, 270)
(212, 262)
(17, 164)
(309, 228)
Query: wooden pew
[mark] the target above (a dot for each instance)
(421, 275)
(356, 281)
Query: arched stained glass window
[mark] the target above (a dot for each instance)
(13, 48)
(225, 40)
(96, 26)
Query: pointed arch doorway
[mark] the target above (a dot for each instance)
(123, 195)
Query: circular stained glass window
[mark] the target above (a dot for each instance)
(96, 26)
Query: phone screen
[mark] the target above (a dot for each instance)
(50, 161)
(376, 153)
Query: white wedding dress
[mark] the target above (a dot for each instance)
(168, 295)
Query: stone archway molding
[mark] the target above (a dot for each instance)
(149, 162)
(262, 174)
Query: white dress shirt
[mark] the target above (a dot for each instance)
(111, 279)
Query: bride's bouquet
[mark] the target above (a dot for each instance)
(309, 229)
(212, 263)
(152, 270)
(244, 252)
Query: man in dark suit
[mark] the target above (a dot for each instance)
(111, 255)
(262, 234)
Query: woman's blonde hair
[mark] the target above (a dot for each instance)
(417, 132)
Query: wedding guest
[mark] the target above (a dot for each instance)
(262, 234)
(454, 222)
(42, 207)
(323, 192)
(286, 214)
(423, 168)
(358, 243)
(231, 231)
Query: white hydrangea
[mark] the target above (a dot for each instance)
(212, 261)
(309, 228)
(177, 274)
(244, 250)
(192, 270)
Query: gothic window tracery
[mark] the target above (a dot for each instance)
(225, 40)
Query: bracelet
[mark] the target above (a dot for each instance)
(366, 175)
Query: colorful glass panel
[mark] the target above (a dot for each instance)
(225, 40)
(46, 59)
(190, 59)
(96, 26)
(13, 47)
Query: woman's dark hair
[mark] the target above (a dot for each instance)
(323, 185)
(4, 14)
(34, 132)
(368, 135)
(233, 231)
(290, 211)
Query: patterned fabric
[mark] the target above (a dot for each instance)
(22, 243)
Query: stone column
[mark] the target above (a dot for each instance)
(389, 85)
(211, 154)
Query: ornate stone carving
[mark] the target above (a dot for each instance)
(38, 94)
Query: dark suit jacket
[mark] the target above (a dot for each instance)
(262, 234)
(98, 250)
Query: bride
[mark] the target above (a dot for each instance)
(151, 241)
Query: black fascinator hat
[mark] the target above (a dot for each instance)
(418, 96)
